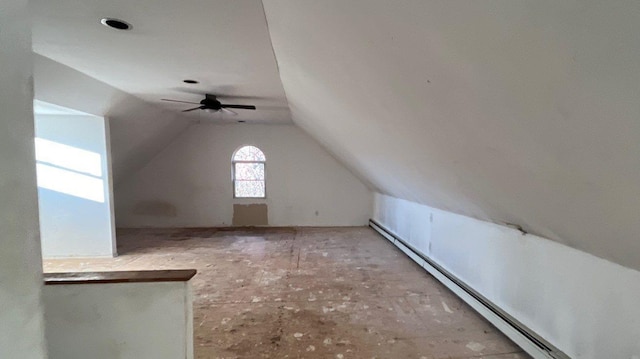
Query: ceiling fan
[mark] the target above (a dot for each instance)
(211, 104)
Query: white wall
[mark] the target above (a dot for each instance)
(122, 320)
(584, 305)
(21, 323)
(191, 180)
(507, 111)
(80, 222)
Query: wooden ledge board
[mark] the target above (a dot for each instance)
(174, 275)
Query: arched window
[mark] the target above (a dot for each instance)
(248, 173)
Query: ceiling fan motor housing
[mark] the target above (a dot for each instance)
(211, 102)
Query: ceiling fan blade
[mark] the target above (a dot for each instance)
(228, 112)
(244, 107)
(273, 108)
(193, 103)
(242, 97)
(195, 108)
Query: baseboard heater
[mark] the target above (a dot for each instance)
(529, 341)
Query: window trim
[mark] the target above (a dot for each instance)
(233, 172)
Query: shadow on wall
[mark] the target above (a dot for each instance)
(155, 209)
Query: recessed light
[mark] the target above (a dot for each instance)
(190, 81)
(115, 23)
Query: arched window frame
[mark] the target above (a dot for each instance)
(234, 178)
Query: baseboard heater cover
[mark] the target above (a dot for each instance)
(528, 340)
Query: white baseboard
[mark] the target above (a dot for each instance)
(526, 339)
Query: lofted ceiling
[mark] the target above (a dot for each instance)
(522, 112)
(224, 45)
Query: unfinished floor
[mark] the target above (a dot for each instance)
(307, 293)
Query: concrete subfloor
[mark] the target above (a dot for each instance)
(307, 293)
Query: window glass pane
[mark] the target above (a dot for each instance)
(250, 171)
(249, 188)
(249, 153)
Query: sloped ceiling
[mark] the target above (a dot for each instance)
(524, 112)
(83, 65)
(222, 44)
(138, 130)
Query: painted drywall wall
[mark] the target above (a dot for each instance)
(138, 130)
(584, 305)
(509, 111)
(21, 322)
(123, 320)
(74, 186)
(189, 183)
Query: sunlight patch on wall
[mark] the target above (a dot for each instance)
(69, 170)
(69, 157)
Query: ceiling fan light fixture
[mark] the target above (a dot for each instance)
(116, 24)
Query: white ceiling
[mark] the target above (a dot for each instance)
(523, 112)
(223, 44)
